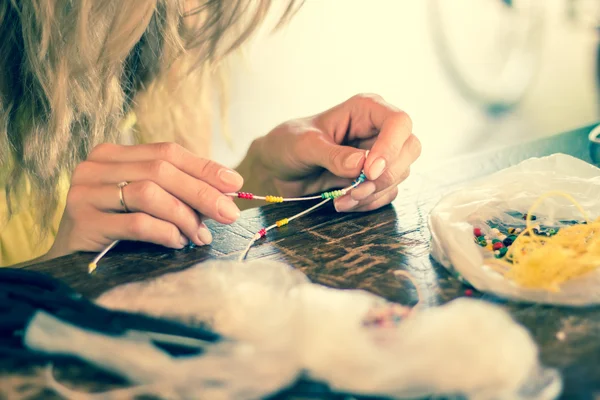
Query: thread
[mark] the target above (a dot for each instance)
(539, 261)
(328, 196)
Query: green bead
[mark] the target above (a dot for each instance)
(482, 242)
(501, 252)
(495, 241)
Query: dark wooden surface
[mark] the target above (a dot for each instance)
(359, 250)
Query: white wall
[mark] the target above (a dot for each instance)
(333, 49)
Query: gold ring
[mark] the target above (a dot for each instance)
(121, 197)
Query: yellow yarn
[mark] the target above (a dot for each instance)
(546, 262)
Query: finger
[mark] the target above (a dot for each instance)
(347, 204)
(222, 178)
(143, 228)
(383, 201)
(147, 197)
(370, 113)
(194, 192)
(316, 148)
(397, 168)
(392, 178)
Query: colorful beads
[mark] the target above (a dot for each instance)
(386, 316)
(274, 199)
(501, 252)
(509, 240)
(334, 194)
(281, 222)
(361, 178)
(245, 195)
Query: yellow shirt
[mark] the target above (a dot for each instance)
(18, 242)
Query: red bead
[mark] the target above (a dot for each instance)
(477, 232)
(245, 195)
(468, 292)
(262, 232)
(498, 245)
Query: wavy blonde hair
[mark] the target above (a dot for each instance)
(72, 69)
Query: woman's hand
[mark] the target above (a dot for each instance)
(329, 150)
(169, 192)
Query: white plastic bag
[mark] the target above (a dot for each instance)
(515, 189)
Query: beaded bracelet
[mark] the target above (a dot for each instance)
(327, 196)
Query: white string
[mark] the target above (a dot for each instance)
(258, 236)
(92, 266)
(235, 194)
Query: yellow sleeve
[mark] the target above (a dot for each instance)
(18, 240)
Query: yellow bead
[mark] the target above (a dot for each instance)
(274, 199)
(282, 222)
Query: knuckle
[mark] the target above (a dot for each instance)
(74, 198)
(367, 97)
(138, 226)
(147, 192)
(202, 192)
(335, 155)
(415, 146)
(160, 169)
(81, 171)
(405, 174)
(402, 119)
(391, 177)
(208, 168)
(168, 150)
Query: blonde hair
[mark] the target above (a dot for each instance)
(72, 69)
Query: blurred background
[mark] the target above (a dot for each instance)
(472, 74)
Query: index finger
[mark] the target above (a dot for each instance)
(220, 177)
(394, 127)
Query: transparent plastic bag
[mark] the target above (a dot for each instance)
(514, 190)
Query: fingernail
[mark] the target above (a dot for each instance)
(204, 235)
(183, 241)
(345, 203)
(377, 168)
(230, 177)
(353, 160)
(227, 209)
(363, 191)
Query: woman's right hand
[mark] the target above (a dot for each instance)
(169, 193)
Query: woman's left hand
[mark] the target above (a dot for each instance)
(329, 150)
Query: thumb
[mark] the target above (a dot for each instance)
(342, 161)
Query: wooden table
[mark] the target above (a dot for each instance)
(359, 250)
